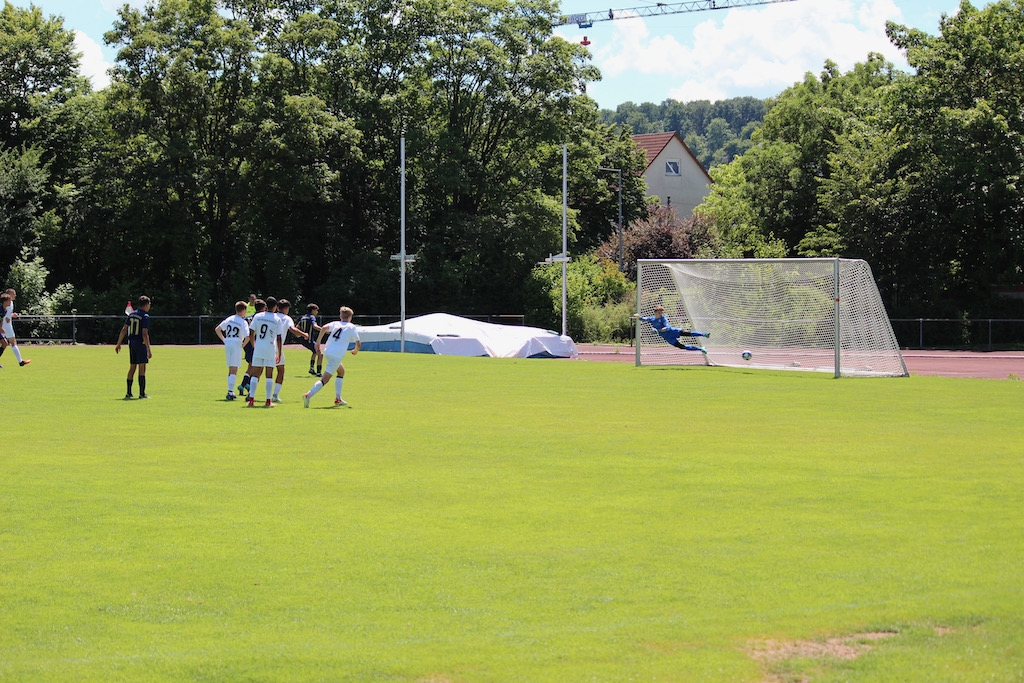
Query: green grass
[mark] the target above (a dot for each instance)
(505, 520)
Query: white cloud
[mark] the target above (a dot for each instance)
(92, 65)
(751, 51)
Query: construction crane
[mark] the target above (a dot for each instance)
(587, 20)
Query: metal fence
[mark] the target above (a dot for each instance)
(982, 334)
(167, 329)
(979, 334)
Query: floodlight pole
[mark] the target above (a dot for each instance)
(401, 256)
(402, 246)
(619, 171)
(565, 232)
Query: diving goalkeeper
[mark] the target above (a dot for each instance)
(670, 334)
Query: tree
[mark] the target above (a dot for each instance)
(958, 142)
(38, 70)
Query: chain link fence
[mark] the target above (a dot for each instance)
(981, 334)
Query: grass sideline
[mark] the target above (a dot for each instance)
(497, 520)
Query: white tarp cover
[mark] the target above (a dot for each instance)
(451, 335)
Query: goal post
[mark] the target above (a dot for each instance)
(814, 314)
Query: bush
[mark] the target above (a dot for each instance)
(597, 296)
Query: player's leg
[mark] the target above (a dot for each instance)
(233, 358)
(689, 347)
(132, 367)
(13, 343)
(247, 378)
(695, 333)
(268, 381)
(338, 401)
(312, 354)
(254, 379)
(279, 380)
(142, 376)
(329, 369)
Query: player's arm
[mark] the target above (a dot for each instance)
(145, 340)
(358, 346)
(320, 337)
(279, 347)
(219, 332)
(298, 333)
(120, 338)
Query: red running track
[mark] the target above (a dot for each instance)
(980, 364)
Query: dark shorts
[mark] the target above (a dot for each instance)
(309, 344)
(137, 354)
(248, 348)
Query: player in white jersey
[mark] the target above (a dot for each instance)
(7, 331)
(287, 325)
(339, 335)
(266, 341)
(233, 332)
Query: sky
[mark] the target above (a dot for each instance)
(710, 55)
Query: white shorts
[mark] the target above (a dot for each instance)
(233, 353)
(331, 364)
(263, 362)
(8, 330)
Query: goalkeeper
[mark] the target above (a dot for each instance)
(670, 334)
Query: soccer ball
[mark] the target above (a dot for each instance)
(747, 355)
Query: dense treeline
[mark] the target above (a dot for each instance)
(716, 132)
(252, 145)
(247, 145)
(919, 174)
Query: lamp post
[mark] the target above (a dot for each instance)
(402, 257)
(563, 258)
(619, 171)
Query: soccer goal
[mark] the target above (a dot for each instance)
(816, 314)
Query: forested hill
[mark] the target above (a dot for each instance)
(717, 132)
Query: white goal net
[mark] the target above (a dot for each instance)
(821, 315)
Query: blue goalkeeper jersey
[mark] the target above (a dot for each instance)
(661, 326)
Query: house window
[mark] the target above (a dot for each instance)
(672, 167)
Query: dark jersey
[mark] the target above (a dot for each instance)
(137, 321)
(306, 324)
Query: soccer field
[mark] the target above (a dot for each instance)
(475, 519)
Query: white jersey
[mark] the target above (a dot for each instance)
(286, 323)
(8, 327)
(235, 330)
(339, 336)
(266, 327)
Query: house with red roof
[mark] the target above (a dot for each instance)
(673, 175)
